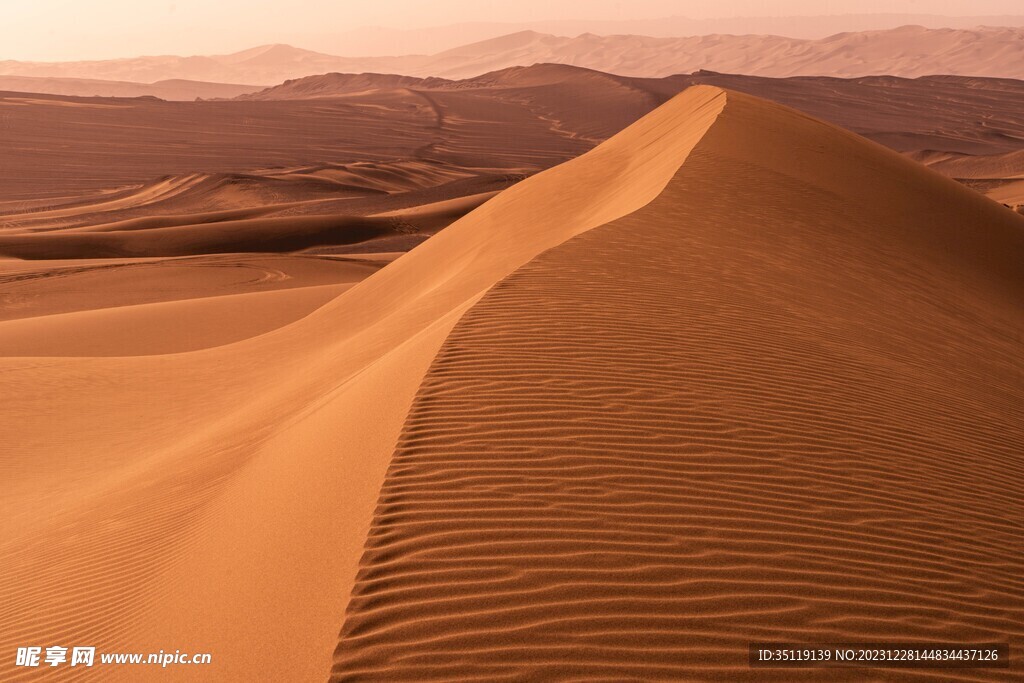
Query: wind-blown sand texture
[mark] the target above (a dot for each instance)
(733, 374)
(261, 505)
(712, 422)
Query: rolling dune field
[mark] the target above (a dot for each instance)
(550, 375)
(331, 162)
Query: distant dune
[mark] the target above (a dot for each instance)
(956, 114)
(734, 374)
(263, 65)
(1009, 165)
(907, 51)
(378, 40)
(288, 150)
(345, 163)
(998, 176)
(337, 84)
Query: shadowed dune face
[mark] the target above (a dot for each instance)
(712, 422)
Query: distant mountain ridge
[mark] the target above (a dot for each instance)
(381, 41)
(908, 51)
(263, 65)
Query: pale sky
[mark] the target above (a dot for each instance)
(100, 29)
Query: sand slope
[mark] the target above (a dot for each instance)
(633, 383)
(206, 489)
(716, 421)
(30, 289)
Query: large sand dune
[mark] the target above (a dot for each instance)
(261, 504)
(712, 422)
(733, 374)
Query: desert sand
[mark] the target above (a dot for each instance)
(363, 163)
(711, 422)
(734, 374)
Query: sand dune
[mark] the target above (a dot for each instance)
(165, 327)
(976, 167)
(149, 69)
(30, 289)
(616, 422)
(274, 416)
(1000, 177)
(1011, 194)
(336, 84)
(726, 422)
(134, 307)
(276, 234)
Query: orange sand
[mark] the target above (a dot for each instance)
(733, 374)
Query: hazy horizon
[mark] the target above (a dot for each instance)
(63, 30)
